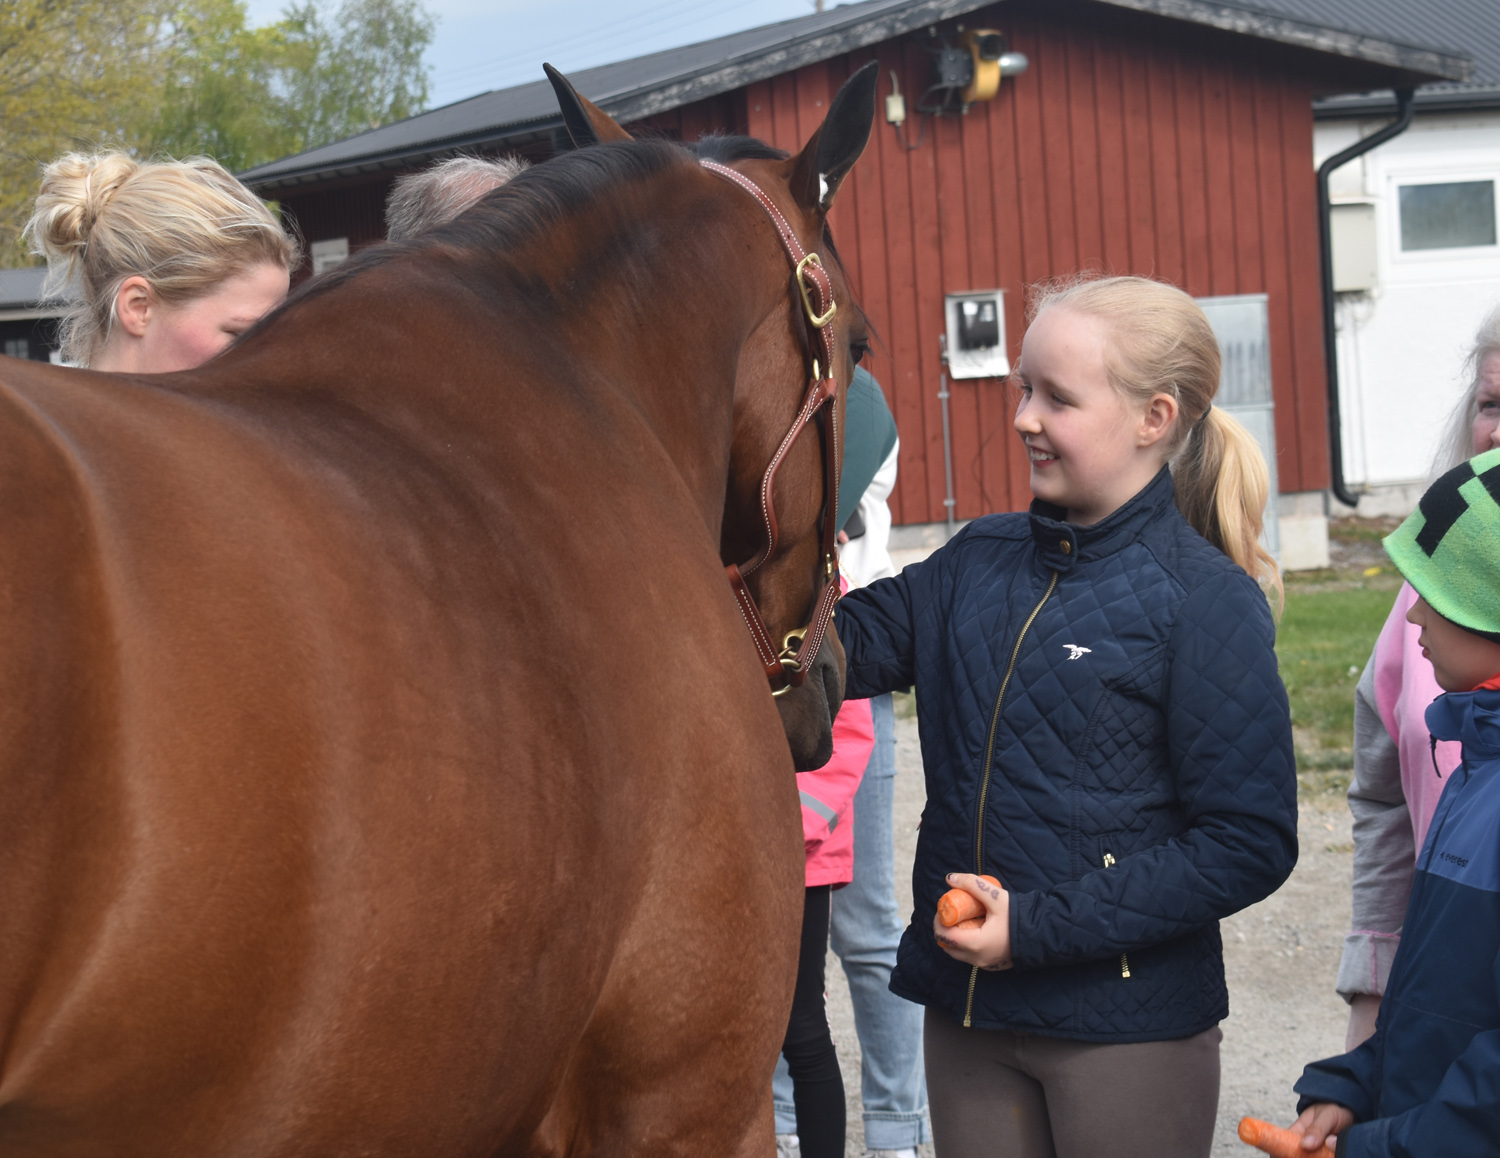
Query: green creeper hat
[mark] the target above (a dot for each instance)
(1449, 549)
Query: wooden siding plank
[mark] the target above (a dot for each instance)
(1219, 174)
(1114, 171)
(1036, 257)
(920, 472)
(1139, 177)
(1244, 183)
(759, 122)
(1008, 172)
(1310, 376)
(784, 112)
(1054, 118)
(1196, 193)
(1272, 226)
(1166, 185)
(1083, 126)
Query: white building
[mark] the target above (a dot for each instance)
(1416, 248)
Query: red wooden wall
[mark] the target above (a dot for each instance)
(1132, 145)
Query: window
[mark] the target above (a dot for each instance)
(1448, 216)
(17, 348)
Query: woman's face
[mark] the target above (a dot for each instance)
(1487, 404)
(153, 337)
(1091, 448)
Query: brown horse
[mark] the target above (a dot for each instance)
(385, 768)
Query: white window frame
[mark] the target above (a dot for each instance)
(1447, 176)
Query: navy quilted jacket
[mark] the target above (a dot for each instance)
(1131, 781)
(1426, 1083)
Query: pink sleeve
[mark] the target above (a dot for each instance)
(828, 792)
(1404, 687)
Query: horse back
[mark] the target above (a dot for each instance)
(333, 808)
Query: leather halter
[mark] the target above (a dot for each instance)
(801, 645)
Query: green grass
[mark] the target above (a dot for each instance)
(1323, 640)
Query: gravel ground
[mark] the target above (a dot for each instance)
(1280, 956)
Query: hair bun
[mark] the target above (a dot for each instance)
(75, 191)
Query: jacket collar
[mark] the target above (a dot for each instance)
(1061, 544)
(1470, 717)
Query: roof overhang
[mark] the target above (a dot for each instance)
(622, 93)
(1438, 99)
(1423, 64)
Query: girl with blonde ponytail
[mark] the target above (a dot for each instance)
(164, 263)
(1106, 741)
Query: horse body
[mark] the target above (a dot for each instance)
(383, 759)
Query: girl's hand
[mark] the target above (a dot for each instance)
(989, 945)
(1318, 1123)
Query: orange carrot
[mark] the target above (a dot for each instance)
(1277, 1142)
(956, 905)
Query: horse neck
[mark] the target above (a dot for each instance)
(661, 313)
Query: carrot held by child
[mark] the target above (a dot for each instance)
(956, 906)
(1278, 1143)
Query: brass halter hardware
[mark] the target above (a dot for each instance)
(791, 644)
(788, 667)
(818, 321)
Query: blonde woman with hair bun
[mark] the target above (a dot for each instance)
(1106, 742)
(164, 263)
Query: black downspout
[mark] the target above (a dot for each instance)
(1325, 224)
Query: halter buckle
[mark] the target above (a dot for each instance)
(802, 282)
(790, 665)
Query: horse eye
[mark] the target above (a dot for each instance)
(858, 350)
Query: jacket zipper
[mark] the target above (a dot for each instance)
(1109, 862)
(984, 782)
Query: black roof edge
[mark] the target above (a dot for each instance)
(513, 135)
(1435, 63)
(1478, 98)
(860, 32)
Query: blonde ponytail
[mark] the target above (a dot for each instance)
(1222, 484)
(1163, 344)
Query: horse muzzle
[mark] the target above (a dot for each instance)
(807, 711)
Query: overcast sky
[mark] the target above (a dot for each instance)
(488, 44)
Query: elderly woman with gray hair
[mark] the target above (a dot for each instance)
(1399, 773)
(436, 195)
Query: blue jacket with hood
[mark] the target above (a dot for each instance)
(1103, 728)
(1428, 1082)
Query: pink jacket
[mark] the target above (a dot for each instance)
(1404, 686)
(828, 797)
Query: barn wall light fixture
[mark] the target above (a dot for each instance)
(963, 72)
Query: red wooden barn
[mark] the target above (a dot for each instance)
(1171, 138)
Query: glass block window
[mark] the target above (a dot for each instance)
(1449, 216)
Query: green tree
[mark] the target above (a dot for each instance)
(183, 77)
(219, 88)
(73, 74)
(248, 95)
(354, 69)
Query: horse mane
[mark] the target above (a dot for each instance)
(538, 198)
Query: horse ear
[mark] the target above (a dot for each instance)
(586, 122)
(819, 170)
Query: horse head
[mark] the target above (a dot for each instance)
(776, 534)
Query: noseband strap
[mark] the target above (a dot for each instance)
(788, 664)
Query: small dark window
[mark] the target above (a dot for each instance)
(17, 348)
(1449, 216)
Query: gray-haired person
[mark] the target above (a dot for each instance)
(436, 195)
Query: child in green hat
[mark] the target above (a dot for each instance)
(1428, 1082)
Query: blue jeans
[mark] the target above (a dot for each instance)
(866, 928)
